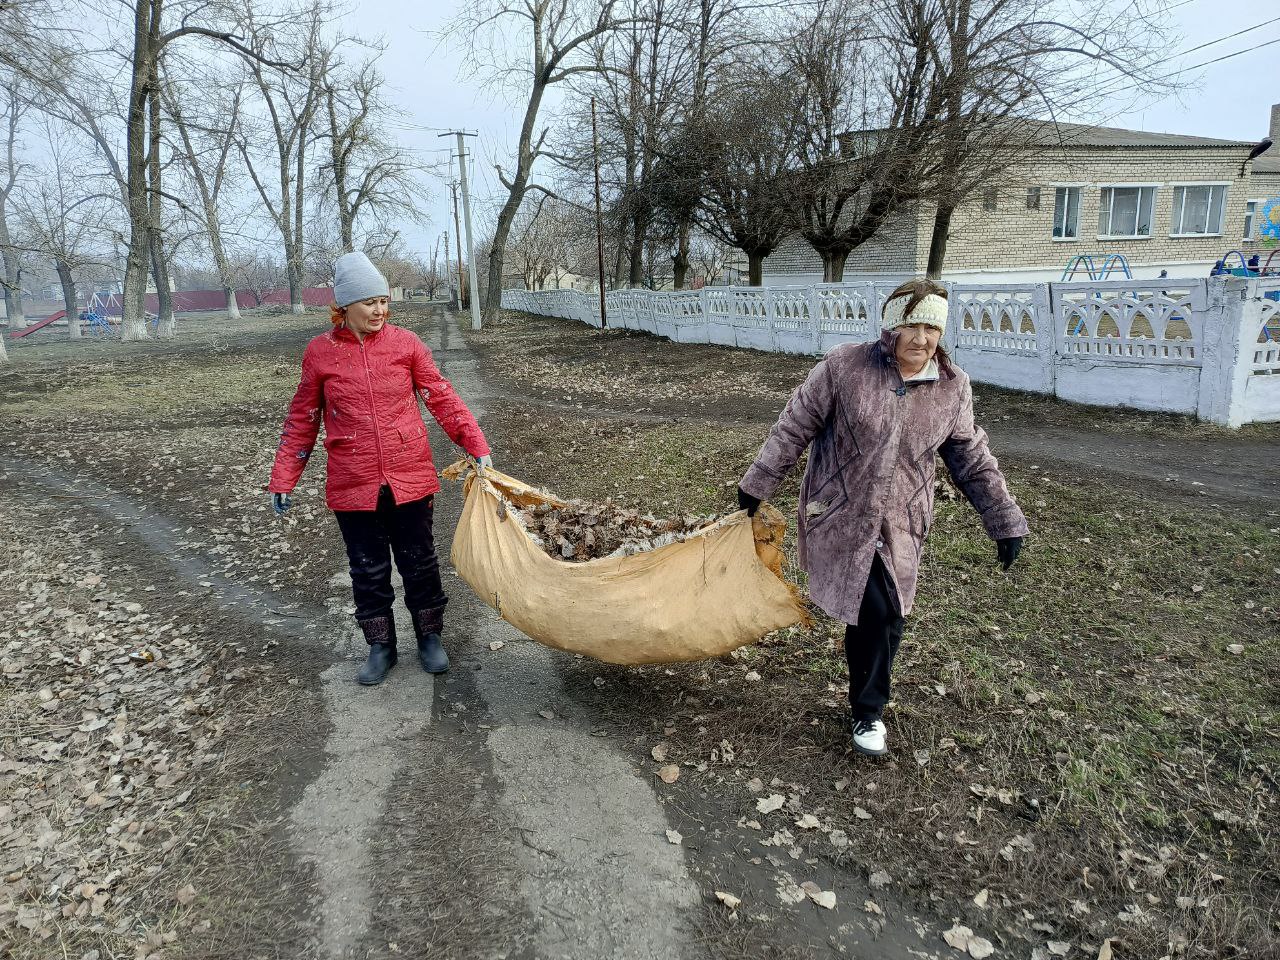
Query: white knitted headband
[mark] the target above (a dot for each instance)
(931, 310)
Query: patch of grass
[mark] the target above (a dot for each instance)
(1088, 701)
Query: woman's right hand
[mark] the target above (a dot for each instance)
(280, 503)
(747, 502)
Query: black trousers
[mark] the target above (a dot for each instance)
(373, 537)
(871, 645)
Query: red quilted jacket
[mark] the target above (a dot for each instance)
(373, 429)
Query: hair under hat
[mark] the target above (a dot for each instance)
(356, 278)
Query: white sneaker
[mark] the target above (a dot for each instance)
(869, 737)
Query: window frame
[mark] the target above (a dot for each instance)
(1251, 219)
(1068, 187)
(1155, 192)
(1176, 215)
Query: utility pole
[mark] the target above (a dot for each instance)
(466, 216)
(457, 234)
(448, 268)
(595, 151)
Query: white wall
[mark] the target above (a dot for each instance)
(1209, 347)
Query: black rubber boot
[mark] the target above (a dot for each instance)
(380, 634)
(428, 624)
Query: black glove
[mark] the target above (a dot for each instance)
(1007, 550)
(747, 502)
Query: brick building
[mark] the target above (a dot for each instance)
(1163, 201)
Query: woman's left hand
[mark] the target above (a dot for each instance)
(1007, 550)
(483, 463)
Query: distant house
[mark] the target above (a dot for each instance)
(1163, 201)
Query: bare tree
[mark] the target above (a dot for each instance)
(257, 273)
(743, 155)
(11, 110)
(65, 217)
(867, 105)
(558, 34)
(366, 172)
(998, 64)
(291, 100)
(205, 144)
(143, 140)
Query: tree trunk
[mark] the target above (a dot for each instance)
(164, 293)
(524, 167)
(132, 317)
(938, 242)
(680, 259)
(159, 264)
(13, 291)
(295, 288)
(636, 276)
(233, 306)
(833, 263)
(295, 251)
(4, 351)
(69, 298)
(755, 269)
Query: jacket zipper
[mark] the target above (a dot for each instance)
(373, 413)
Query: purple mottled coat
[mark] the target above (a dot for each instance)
(869, 484)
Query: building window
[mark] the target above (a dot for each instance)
(1126, 211)
(1066, 213)
(1197, 211)
(989, 198)
(1250, 214)
(1033, 198)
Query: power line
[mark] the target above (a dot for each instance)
(1104, 90)
(1238, 33)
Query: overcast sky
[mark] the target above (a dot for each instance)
(1230, 99)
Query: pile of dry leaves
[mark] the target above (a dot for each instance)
(109, 725)
(579, 530)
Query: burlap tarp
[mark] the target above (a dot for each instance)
(716, 591)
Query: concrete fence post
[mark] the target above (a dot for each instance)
(814, 301)
(1046, 343)
(704, 304)
(1230, 332)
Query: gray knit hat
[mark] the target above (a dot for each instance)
(355, 278)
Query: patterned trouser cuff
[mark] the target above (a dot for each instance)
(379, 630)
(428, 621)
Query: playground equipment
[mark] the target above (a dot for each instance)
(1244, 270)
(1112, 262)
(99, 324)
(39, 325)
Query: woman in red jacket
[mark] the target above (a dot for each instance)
(363, 378)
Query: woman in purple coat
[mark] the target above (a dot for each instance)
(877, 416)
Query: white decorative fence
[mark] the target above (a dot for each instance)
(1209, 347)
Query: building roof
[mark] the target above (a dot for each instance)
(1084, 135)
(1269, 162)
